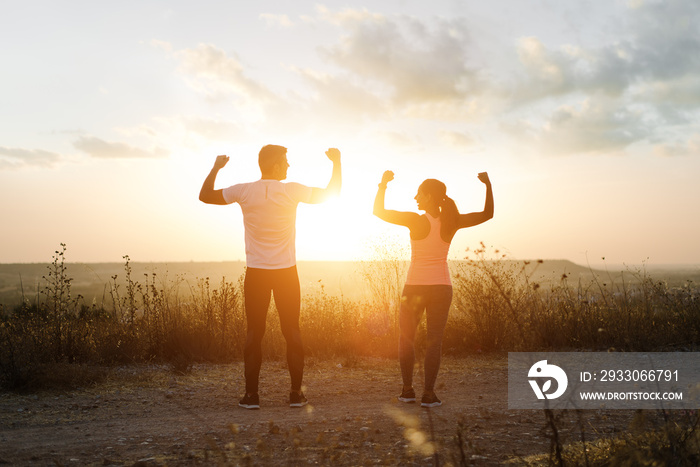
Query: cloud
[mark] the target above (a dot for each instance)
(276, 20)
(218, 75)
(548, 73)
(682, 92)
(636, 82)
(339, 98)
(397, 139)
(660, 43)
(626, 90)
(101, 149)
(212, 129)
(163, 45)
(541, 64)
(13, 158)
(691, 147)
(346, 17)
(668, 58)
(592, 127)
(457, 139)
(667, 38)
(636, 87)
(222, 78)
(384, 67)
(409, 59)
(190, 130)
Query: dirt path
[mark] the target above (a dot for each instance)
(149, 416)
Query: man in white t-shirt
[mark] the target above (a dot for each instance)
(269, 215)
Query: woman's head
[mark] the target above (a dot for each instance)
(433, 193)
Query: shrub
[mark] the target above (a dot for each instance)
(496, 307)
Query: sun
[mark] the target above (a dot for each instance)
(337, 230)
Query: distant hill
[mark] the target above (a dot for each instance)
(92, 280)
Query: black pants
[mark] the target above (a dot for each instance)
(435, 300)
(258, 286)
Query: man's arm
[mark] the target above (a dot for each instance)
(208, 194)
(476, 218)
(407, 219)
(319, 195)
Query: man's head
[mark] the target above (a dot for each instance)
(272, 160)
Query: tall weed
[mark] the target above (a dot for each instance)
(499, 307)
(496, 307)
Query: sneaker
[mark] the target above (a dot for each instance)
(297, 399)
(430, 401)
(408, 396)
(250, 401)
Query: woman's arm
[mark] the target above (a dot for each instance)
(476, 218)
(407, 219)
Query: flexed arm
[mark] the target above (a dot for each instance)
(208, 194)
(476, 218)
(319, 195)
(407, 219)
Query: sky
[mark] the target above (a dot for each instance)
(585, 114)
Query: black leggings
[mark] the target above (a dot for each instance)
(435, 300)
(258, 285)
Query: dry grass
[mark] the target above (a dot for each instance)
(58, 341)
(496, 307)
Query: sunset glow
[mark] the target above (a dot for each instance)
(586, 116)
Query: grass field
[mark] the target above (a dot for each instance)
(21, 282)
(60, 336)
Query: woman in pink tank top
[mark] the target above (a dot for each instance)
(428, 287)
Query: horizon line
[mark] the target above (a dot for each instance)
(529, 260)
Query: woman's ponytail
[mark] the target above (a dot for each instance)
(448, 214)
(448, 209)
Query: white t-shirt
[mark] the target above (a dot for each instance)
(269, 215)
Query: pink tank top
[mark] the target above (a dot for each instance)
(429, 258)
